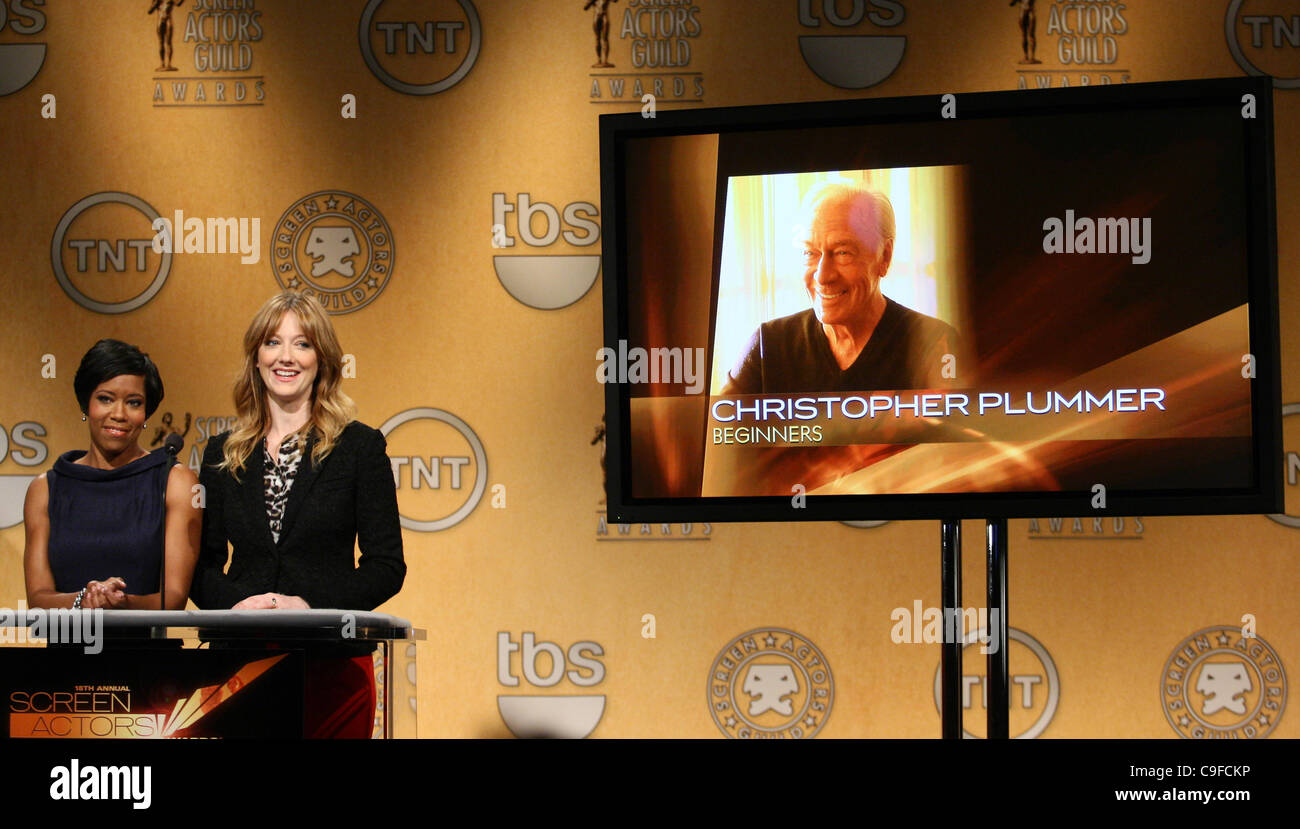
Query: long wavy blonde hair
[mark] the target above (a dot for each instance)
(331, 409)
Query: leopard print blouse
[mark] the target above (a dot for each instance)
(278, 478)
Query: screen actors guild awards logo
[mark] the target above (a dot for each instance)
(335, 245)
(223, 35)
(1028, 30)
(600, 26)
(1087, 39)
(1222, 683)
(770, 683)
(660, 39)
(332, 249)
(165, 29)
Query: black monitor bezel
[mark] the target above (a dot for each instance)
(1265, 497)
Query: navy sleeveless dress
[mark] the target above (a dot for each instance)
(107, 522)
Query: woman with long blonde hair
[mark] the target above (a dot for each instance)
(297, 482)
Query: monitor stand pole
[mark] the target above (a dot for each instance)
(950, 588)
(997, 677)
(999, 706)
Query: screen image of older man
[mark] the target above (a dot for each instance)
(853, 337)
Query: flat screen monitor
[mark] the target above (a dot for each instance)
(1008, 304)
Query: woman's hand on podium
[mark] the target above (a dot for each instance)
(272, 601)
(107, 594)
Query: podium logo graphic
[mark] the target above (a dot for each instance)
(335, 245)
(439, 466)
(851, 61)
(28, 450)
(422, 56)
(113, 711)
(568, 716)
(1220, 683)
(1035, 684)
(20, 62)
(102, 253)
(1265, 40)
(545, 281)
(770, 683)
(1291, 466)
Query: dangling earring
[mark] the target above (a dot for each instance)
(83, 418)
(145, 426)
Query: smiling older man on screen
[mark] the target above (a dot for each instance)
(853, 338)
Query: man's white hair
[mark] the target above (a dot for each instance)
(870, 208)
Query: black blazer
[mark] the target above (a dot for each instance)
(349, 497)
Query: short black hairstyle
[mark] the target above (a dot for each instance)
(107, 359)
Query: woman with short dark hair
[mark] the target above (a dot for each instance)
(98, 522)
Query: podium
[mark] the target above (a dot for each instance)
(136, 674)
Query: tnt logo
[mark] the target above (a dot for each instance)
(439, 467)
(102, 253)
(544, 281)
(23, 445)
(1264, 39)
(851, 61)
(420, 47)
(544, 665)
(19, 62)
(1035, 684)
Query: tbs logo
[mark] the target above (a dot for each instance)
(851, 61)
(27, 450)
(545, 281)
(544, 665)
(19, 62)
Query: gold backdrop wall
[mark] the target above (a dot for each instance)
(639, 616)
